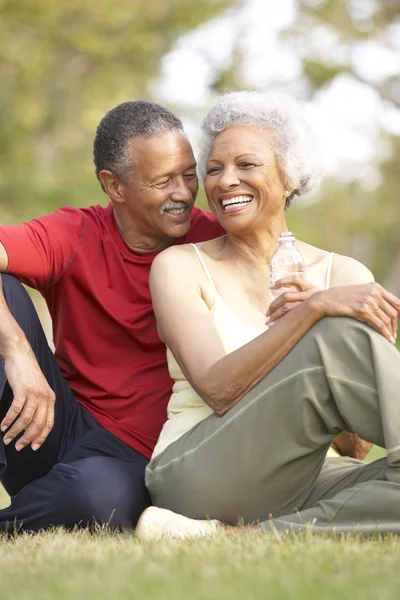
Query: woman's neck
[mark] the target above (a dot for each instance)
(255, 247)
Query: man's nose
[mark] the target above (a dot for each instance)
(182, 192)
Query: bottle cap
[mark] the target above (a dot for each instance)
(286, 235)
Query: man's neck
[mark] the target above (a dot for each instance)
(142, 245)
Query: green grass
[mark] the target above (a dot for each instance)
(62, 566)
(80, 565)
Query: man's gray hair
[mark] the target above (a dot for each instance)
(287, 120)
(120, 125)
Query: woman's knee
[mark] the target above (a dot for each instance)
(340, 328)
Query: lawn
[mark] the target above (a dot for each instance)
(79, 565)
(82, 566)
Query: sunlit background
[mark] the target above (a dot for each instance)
(64, 64)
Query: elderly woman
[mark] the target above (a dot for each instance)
(256, 407)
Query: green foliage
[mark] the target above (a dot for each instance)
(62, 66)
(319, 75)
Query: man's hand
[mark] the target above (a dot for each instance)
(349, 444)
(32, 409)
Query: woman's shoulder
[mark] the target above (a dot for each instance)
(173, 256)
(344, 269)
(185, 252)
(172, 269)
(180, 257)
(349, 271)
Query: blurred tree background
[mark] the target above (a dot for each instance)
(64, 64)
(360, 218)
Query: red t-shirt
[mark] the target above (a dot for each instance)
(104, 328)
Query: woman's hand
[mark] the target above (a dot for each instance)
(303, 290)
(369, 303)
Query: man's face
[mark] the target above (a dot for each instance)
(163, 185)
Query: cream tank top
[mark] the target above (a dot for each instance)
(186, 408)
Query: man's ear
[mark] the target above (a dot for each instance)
(112, 186)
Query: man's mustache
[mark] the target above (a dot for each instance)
(168, 206)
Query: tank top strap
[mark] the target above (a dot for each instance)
(328, 271)
(203, 264)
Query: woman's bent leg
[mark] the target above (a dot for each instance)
(263, 457)
(360, 501)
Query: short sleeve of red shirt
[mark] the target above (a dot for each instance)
(41, 250)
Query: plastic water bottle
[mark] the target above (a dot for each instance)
(286, 261)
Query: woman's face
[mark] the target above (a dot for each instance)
(242, 178)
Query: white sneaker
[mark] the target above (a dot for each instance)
(157, 523)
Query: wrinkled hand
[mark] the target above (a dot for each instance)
(32, 409)
(349, 444)
(302, 291)
(369, 303)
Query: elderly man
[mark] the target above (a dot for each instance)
(79, 426)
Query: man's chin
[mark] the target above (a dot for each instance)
(177, 225)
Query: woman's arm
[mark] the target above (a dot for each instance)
(187, 328)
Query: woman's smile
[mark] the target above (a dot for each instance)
(234, 202)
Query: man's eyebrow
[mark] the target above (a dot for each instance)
(192, 166)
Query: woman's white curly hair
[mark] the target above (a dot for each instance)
(288, 122)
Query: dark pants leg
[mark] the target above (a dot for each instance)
(82, 473)
(97, 489)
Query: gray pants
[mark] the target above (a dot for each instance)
(264, 460)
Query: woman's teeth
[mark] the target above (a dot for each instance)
(236, 201)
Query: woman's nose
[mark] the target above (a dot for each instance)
(228, 179)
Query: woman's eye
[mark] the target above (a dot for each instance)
(212, 171)
(246, 165)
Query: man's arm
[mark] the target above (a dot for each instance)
(3, 259)
(32, 408)
(37, 253)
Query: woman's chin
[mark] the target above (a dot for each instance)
(236, 220)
